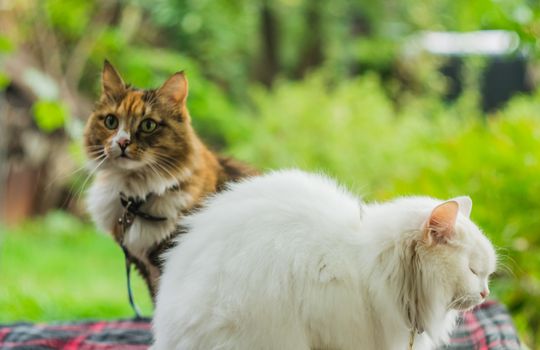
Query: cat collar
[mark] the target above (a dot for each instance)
(132, 209)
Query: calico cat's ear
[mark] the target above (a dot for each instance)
(465, 205)
(439, 227)
(112, 84)
(174, 90)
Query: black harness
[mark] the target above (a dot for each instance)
(131, 211)
(132, 207)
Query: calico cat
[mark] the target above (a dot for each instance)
(292, 261)
(150, 167)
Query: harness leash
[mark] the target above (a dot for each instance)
(132, 303)
(131, 211)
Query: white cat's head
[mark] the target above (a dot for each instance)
(445, 259)
(452, 245)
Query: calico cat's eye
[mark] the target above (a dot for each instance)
(148, 125)
(111, 122)
(473, 271)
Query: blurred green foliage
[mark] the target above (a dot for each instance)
(6, 46)
(282, 83)
(50, 115)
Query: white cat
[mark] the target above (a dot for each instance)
(292, 261)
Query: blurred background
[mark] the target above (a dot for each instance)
(392, 97)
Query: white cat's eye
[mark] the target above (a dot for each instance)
(148, 125)
(111, 122)
(473, 271)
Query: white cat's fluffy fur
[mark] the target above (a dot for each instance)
(290, 260)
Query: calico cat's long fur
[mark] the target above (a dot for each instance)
(140, 143)
(292, 261)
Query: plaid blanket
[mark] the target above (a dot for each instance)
(487, 327)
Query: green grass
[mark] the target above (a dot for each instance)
(58, 268)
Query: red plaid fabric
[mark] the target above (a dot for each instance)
(488, 327)
(98, 335)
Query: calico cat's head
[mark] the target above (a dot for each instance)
(140, 130)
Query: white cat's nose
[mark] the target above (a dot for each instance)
(484, 294)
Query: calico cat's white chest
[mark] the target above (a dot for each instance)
(105, 206)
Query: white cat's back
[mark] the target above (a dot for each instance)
(281, 212)
(287, 238)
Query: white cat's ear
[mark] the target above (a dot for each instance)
(439, 227)
(175, 89)
(465, 205)
(112, 85)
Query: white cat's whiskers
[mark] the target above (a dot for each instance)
(459, 302)
(505, 262)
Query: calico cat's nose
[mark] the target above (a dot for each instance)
(123, 143)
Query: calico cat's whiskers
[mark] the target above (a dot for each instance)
(166, 159)
(94, 151)
(96, 154)
(155, 171)
(95, 148)
(163, 161)
(160, 167)
(71, 195)
(101, 159)
(65, 176)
